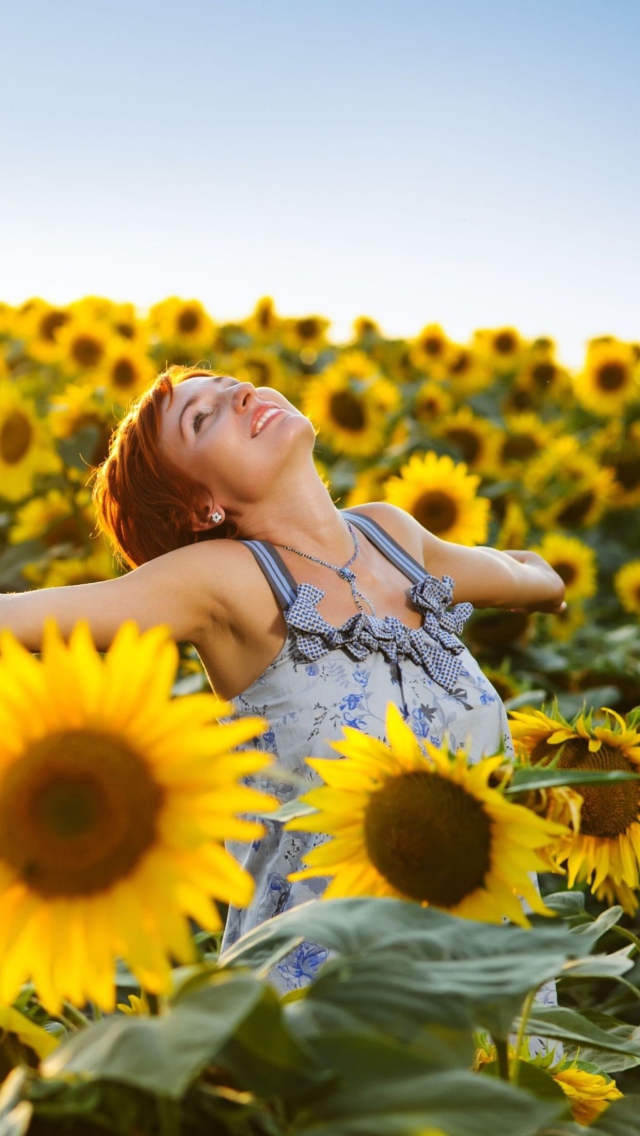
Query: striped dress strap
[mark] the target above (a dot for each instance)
(282, 583)
(388, 546)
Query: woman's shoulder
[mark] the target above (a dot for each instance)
(398, 524)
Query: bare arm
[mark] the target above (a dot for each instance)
(183, 589)
(482, 576)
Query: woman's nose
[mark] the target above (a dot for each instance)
(241, 396)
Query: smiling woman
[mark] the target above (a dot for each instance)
(309, 616)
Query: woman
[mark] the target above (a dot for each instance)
(313, 617)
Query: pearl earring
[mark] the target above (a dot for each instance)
(217, 517)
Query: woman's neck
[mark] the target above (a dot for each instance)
(304, 517)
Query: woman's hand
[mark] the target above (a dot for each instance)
(538, 562)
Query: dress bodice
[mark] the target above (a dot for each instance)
(325, 678)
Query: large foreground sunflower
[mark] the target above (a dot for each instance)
(114, 802)
(606, 850)
(420, 823)
(441, 495)
(25, 446)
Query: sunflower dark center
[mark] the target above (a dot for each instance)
(519, 447)
(78, 810)
(607, 810)
(87, 351)
(612, 376)
(64, 531)
(126, 330)
(188, 321)
(567, 572)
(627, 470)
(432, 345)
(429, 838)
(50, 323)
(260, 372)
(543, 373)
(347, 411)
(436, 511)
(16, 433)
(468, 442)
(308, 328)
(460, 364)
(577, 509)
(124, 374)
(505, 343)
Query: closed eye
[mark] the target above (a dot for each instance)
(197, 419)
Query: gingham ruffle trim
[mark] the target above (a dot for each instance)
(361, 634)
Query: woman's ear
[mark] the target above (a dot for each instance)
(208, 516)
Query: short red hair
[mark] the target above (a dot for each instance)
(143, 501)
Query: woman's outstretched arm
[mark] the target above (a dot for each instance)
(183, 589)
(486, 577)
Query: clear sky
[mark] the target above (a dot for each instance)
(470, 162)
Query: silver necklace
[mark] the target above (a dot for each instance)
(345, 572)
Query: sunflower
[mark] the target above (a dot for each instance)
(305, 335)
(588, 1090)
(502, 347)
(83, 345)
(431, 351)
(54, 518)
(182, 324)
(572, 488)
(574, 562)
(607, 847)
(513, 530)
(441, 495)
(476, 439)
(432, 402)
(563, 626)
(77, 407)
(25, 446)
(98, 565)
(627, 585)
(264, 323)
(114, 801)
(126, 323)
(126, 371)
(525, 436)
(350, 405)
(610, 378)
(365, 330)
(467, 371)
(39, 328)
(618, 449)
(259, 366)
(588, 1093)
(422, 824)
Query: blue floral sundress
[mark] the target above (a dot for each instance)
(325, 678)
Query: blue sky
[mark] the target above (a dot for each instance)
(471, 162)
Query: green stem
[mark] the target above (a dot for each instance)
(154, 1004)
(169, 1116)
(524, 1018)
(503, 1058)
(628, 935)
(97, 1012)
(74, 1016)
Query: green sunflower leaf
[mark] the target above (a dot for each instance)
(526, 780)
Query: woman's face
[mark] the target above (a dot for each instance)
(237, 439)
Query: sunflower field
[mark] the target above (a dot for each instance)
(457, 999)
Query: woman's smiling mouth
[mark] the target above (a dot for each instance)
(263, 415)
